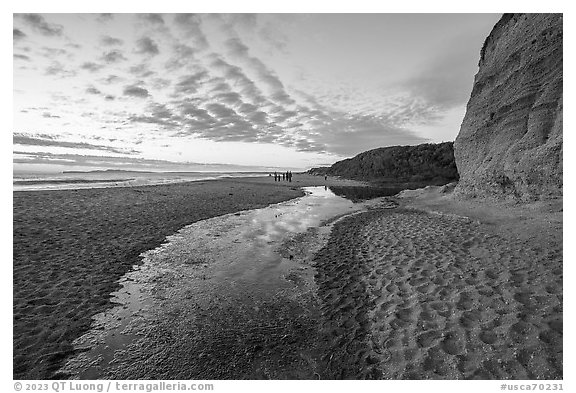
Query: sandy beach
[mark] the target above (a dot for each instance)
(71, 247)
(444, 289)
(422, 286)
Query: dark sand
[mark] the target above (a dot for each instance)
(71, 247)
(444, 289)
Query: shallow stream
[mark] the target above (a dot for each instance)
(248, 269)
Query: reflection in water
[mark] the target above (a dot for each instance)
(275, 222)
(358, 193)
(235, 256)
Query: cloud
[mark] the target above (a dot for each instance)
(244, 21)
(259, 118)
(113, 56)
(191, 26)
(246, 108)
(155, 19)
(53, 52)
(37, 108)
(182, 55)
(229, 98)
(58, 69)
(283, 115)
(39, 24)
(218, 122)
(158, 114)
(135, 91)
(93, 90)
(103, 18)
(278, 93)
(189, 84)
(305, 130)
(110, 41)
(48, 115)
(44, 140)
(146, 46)
(271, 35)
(21, 57)
(141, 70)
(221, 112)
(228, 92)
(111, 79)
(121, 162)
(161, 111)
(18, 35)
(161, 83)
(219, 85)
(198, 114)
(92, 67)
(233, 75)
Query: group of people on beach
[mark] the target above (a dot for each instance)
(286, 176)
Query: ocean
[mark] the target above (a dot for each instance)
(113, 178)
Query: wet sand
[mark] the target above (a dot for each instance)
(444, 289)
(71, 248)
(232, 297)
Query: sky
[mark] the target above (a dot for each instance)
(235, 91)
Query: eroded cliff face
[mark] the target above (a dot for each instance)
(510, 142)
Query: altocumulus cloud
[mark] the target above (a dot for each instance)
(214, 79)
(106, 17)
(136, 91)
(125, 162)
(155, 19)
(93, 90)
(21, 57)
(58, 69)
(92, 67)
(110, 41)
(39, 24)
(113, 56)
(23, 139)
(146, 46)
(18, 34)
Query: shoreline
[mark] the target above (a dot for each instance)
(70, 248)
(303, 180)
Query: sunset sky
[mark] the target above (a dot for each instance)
(170, 92)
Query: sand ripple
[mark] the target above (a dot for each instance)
(411, 295)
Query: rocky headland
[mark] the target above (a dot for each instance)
(410, 165)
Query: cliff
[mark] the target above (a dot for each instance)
(510, 142)
(422, 164)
